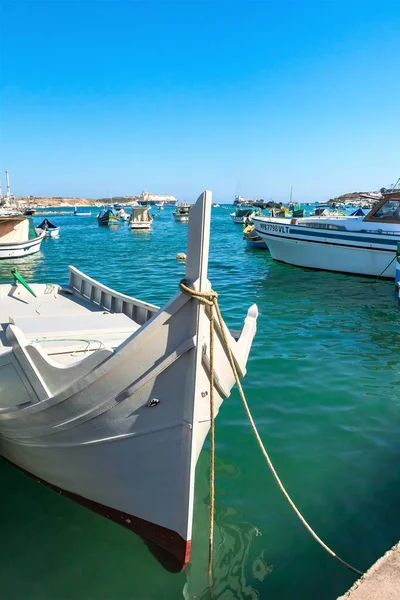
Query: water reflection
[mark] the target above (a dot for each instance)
(236, 566)
(26, 265)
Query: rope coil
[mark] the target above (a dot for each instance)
(210, 299)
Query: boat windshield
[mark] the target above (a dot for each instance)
(388, 211)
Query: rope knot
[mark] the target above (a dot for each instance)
(209, 298)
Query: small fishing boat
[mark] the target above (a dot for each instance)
(106, 398)
(215, 205)
(123, 215)
(362, 245)
(181, 213)
(160, 205)
(244, 215)
(82, 211)
(18, 237)
(49, 229)
(140, 218)
(108, 216)
(252, 238)
(28, 212)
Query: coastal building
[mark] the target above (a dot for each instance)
(147, 198)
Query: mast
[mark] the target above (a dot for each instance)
(8, 193)
(291, 193)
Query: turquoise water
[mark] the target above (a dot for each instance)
(323, 385)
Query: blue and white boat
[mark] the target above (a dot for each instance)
(252, 238)
(82, 211)
(242, 213)
(49, 229)
(362, 245)
(18, 237)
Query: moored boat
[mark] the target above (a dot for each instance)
(108, 216)
(106, 398)
(362, 245)
(244, 215)
(18, 237)
(49, 229)
(252, 238)
(140, 218)
(82, 211)
(182, 212)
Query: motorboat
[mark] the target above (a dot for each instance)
(49, 229)
(181, 212)
(362, 245)
(18, 237)
(106, 398)
(140, 218)
(243, 215)
(108, 216)
(123, 215)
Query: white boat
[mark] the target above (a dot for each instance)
(123, 215)
(18, 237)
(243, 215)
(362, 245)
(49, 229)
(181, 213)
(140, 218)
(160, 205)
(106, 398)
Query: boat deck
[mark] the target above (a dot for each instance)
(61, 321)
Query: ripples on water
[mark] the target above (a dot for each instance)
(323, 385)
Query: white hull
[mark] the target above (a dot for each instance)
(120, 430)
(52, 232)
(20, 249)
(237, 220)
(181, 218)
(355, 252)
(140, 225)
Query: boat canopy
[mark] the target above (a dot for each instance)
(14, 230)
(46, 224)
(140, 214)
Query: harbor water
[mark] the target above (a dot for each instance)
(323, 386)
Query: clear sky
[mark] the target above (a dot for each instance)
(101, 97)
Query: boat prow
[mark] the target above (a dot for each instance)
(119, 424)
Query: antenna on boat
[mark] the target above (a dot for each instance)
(199, 242)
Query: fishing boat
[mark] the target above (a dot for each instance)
(215, 205)
(181, 213)
(108, 216)
(252, 238)
(123, 215)
(106, 398)
(49, 229)
(140, 218)
(18, 237)
(160, 205)
(243, 215)
(82, 211)
(362, 245)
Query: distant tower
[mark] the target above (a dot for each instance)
(8, 193)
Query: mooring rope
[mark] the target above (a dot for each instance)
(210, 299)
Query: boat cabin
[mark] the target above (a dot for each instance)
(387, 210)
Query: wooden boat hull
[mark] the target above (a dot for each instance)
(110, 220)
(114, 431)
(21, 249)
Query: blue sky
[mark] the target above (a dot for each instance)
(102, 98)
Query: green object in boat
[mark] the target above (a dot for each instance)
(18, 277)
